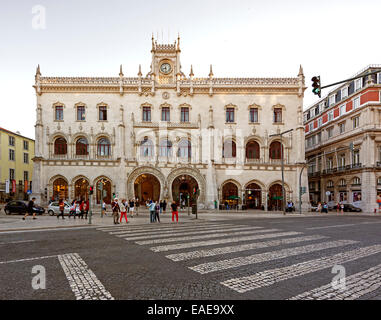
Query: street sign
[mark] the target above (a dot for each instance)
(29, 192)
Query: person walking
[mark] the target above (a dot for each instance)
(29, 209)
(123, 211)
(72, 209)
(115, 210)
(132, 205)
(103, 212)
(325, 207)
(137, 204)
(151, 207)
(161, 206)
(61, 205)
(318, 209)
(164, 205)
(342, 208)
(174, 212)
(87, 208)
(82, 209)
(338, 207)
(157, 210)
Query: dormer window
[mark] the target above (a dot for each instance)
(344, 92)
(332, 100)
(358, 84)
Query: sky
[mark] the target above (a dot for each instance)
(242, 38)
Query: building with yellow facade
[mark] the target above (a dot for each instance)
(16, 165)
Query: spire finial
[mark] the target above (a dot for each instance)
(121, 71)
(211, 71)
(191, 72)
(38, 72)
(140, 71)
(300, 70)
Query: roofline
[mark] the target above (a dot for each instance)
(369, 66)
(16, 134)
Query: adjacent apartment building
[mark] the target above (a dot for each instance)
(16, 165)
(163, 134)
(343, 143)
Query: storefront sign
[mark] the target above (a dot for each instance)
(14, 186)
(6, 186)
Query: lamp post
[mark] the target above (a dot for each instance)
(282, 162)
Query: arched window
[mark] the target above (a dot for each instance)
(330, 184)
(356, 181)
(60, 146)
(60, 189)
(146, 148)
(185, 149)
(103, 147)
(276, 150)
(165, 148)
(252, 150)
(82, 147)
(229, 149)
(342, 183)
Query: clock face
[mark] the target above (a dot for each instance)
(165, 68)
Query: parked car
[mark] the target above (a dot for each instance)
(351, 208)
(54, 208)
(20, 207)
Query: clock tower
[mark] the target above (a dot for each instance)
(165, 65)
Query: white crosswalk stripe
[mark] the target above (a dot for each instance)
(356, 286)
(226, 240)
(190, 241)
(186, 232)
(238, 248)
(207, 236)
(178, 229)
(155, 226)
(267, 256)
(270, 277)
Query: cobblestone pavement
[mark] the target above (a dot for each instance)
(251, 258)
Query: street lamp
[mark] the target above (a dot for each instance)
(282, 162)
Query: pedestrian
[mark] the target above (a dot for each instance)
(77, 210)
(338, 207)
(342, 207)
(325, 207)
(82, 208)
(137, 204)
(115, 210)
(151, 208)
(103, 208)
(61, 205)
(174, 212)
(164, 205)
(29, 209)
(161, 206)
(157, 210)
(318, 209)
(132, 205)
(123, 210)
(87, 208)
(72, 209)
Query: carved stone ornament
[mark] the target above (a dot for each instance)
(253, 130)
(165, 95)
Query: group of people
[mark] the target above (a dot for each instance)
(123, 207)
(78, 208)
(323, 208)
(155, 208)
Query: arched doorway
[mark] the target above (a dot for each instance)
(253, 196)
(81, 187)
(182, 187)
(60, 189)
(147, 187)
(275, 197)
(103, 191)
(230, 194)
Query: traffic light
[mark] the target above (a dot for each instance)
(91, 190)
(316, 86)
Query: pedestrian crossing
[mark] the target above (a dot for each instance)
(247, 258)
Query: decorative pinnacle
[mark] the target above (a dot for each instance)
(140, 71)
(211, 72)
(38, 72)
(191, 72)
(121, 72)
(178, 41)
(300, 71)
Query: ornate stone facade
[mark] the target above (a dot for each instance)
(167, 125)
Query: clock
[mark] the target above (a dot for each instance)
(165, 68)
